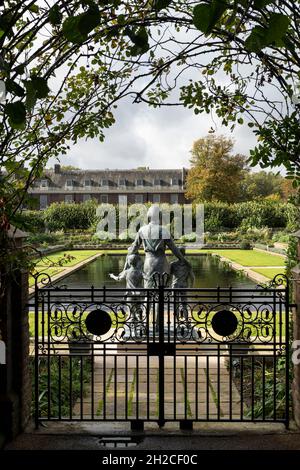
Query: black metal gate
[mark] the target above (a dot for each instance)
(162, 354)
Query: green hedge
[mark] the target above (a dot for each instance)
(250, 214)
(31, 221)
(218, 216)
(68, 216)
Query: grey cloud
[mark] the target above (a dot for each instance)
(159, 138)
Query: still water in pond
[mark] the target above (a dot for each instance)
(208, 271)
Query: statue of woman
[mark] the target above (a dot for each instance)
(155, 239)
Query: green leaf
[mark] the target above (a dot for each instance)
(121, 19)
(14, 87)
(202, 17)
(139, 39)
(258, 4)
(55, 16)
(30, 95)
(272, 34)
(20, 69)
(160, 4)
(16, 113)
(89, 20)
(34, 9)
(207, 16)
(4, 65)
(256, 41)
(71, 30)
(1, 33)
(6, 22)
(76, 28)
(278, 26)
(40, 86)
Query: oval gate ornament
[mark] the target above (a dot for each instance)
(98, 322)
(224, 323)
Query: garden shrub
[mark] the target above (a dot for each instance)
(31, 221)
(281, 237)
(219, 217)
(189, 238)
(101, 235)
(65, 216)
(245, 245)
(60, 381)
(42, 238)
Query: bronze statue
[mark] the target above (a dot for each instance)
(155, 239)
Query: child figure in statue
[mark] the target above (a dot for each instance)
(134, 277)
(132, 272)
(182, 278)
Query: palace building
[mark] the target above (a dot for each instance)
(110, 186)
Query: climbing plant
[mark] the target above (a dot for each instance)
(66, 64)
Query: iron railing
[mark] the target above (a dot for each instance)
(162, 354)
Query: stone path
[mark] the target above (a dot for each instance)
(127, 388)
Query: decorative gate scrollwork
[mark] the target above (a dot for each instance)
(161, 354)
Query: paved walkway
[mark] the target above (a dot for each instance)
(128, 388)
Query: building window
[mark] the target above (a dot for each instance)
(86, 197)
(69, 184)
(87, 183)
(157, 182)
(104, 183)
(122, 183)
(43, 201)
(69, 198)
(174, 199)
(44, 184)
(139, 198)
(122, 199)
(104, 198)
(156, 198)
(174, 181)
(139, 183)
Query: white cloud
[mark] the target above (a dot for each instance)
(158, 138)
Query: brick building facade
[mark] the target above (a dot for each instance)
(110, 186)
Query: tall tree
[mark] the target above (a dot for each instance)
(216, 174)
(262, 184)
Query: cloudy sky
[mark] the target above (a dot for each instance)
(158, 138)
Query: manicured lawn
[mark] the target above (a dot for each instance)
(79, 255)
(269, 272)
(251, 257)
(44, 264)
(51, 271)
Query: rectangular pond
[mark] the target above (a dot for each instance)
(209, 272)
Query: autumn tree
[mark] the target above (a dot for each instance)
(216, 174)
(289, 192)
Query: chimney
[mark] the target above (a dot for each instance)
(57, 168)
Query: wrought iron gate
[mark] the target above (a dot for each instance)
(162, 354)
